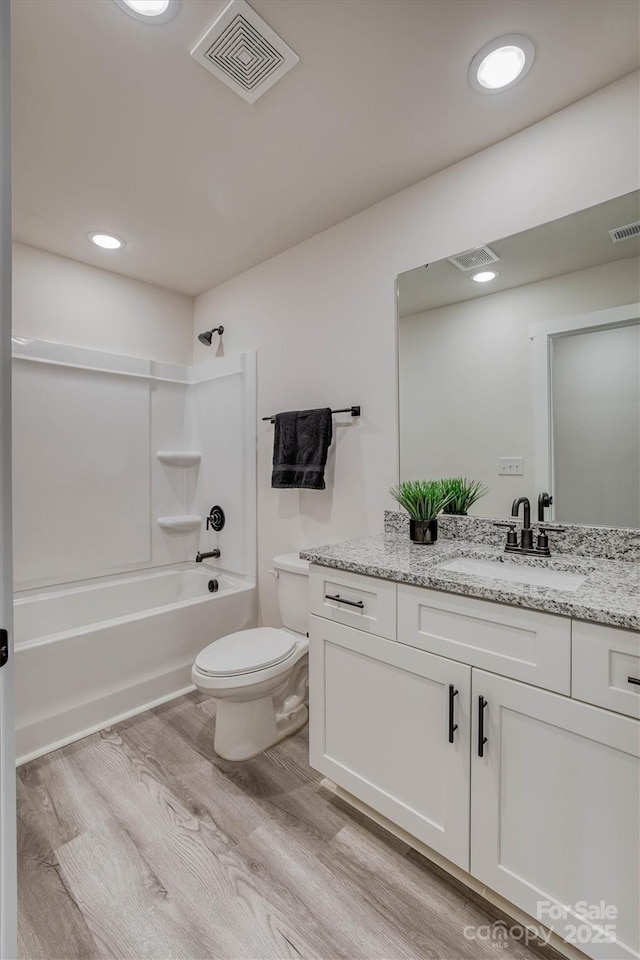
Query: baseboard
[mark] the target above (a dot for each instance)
(81, 734)
(561, 946)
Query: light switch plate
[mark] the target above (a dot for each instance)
(510, 466)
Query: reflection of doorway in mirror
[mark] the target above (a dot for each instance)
(595, 410)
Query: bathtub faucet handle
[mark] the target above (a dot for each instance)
(205, 556)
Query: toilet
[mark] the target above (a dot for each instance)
(259, 677)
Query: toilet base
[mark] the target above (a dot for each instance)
(245, 729)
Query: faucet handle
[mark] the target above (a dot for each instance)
(542, 540)
(512, 536)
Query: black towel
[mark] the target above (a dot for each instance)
(300, 446)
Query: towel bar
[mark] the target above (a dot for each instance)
(354, 411)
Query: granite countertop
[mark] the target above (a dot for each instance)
(610, 595)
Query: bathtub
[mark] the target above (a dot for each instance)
(93, 653)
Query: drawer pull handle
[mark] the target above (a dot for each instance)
(482, 703)
(452, 726)
(338, 599)
(634, 680)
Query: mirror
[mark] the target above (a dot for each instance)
(530, 381)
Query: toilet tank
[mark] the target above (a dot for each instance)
(293, 591)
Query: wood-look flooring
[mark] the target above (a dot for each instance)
(139, 842)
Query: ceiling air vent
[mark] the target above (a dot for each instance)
(472, 259)
(627, 232)
(243, 51)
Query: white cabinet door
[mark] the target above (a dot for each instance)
(555, 803)
(382, 719)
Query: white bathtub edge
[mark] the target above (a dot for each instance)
(56, 745)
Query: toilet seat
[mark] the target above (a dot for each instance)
(245, 652)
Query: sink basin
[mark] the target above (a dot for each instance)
(517, 573)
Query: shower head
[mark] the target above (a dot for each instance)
(207, 337)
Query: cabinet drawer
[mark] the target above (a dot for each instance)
(606, 662)
(353, 600)
(521, 644)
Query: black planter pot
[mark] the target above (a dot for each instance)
(423, 531)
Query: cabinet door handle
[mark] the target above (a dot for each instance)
(452, 726)
(482, 703)
(338, 599)
(634, 680)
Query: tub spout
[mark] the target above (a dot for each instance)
(205, 556)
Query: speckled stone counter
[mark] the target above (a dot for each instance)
(580, 540)
(610, 595)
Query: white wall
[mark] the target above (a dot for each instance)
(83, 441)
(466, 391)
(322, 315)
(81, 455)
(222, 418)
(89, 486)
(69, 302)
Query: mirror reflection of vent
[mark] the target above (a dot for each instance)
(243, 51)
(472, 259)
(628, 232)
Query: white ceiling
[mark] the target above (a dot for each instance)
(117, 128)
(562, 246)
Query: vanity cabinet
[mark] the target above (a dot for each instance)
(392, 725)
(466, 728)
(554, 809)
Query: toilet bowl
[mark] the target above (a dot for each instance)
(259, 677)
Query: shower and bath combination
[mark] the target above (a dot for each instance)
(207, 337)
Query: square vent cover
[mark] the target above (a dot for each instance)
(243, 51)
(472, 259)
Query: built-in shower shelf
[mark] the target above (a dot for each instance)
(182, 524)
(179, 458)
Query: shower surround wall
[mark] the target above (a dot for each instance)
(89, 487)
(111, 607)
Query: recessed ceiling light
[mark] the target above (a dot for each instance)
(106, 240)
(151, 11)
(484, 276)
(501, 64)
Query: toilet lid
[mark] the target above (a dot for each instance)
(245, 652)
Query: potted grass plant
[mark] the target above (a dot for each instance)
(463, 494)
(423, 500)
